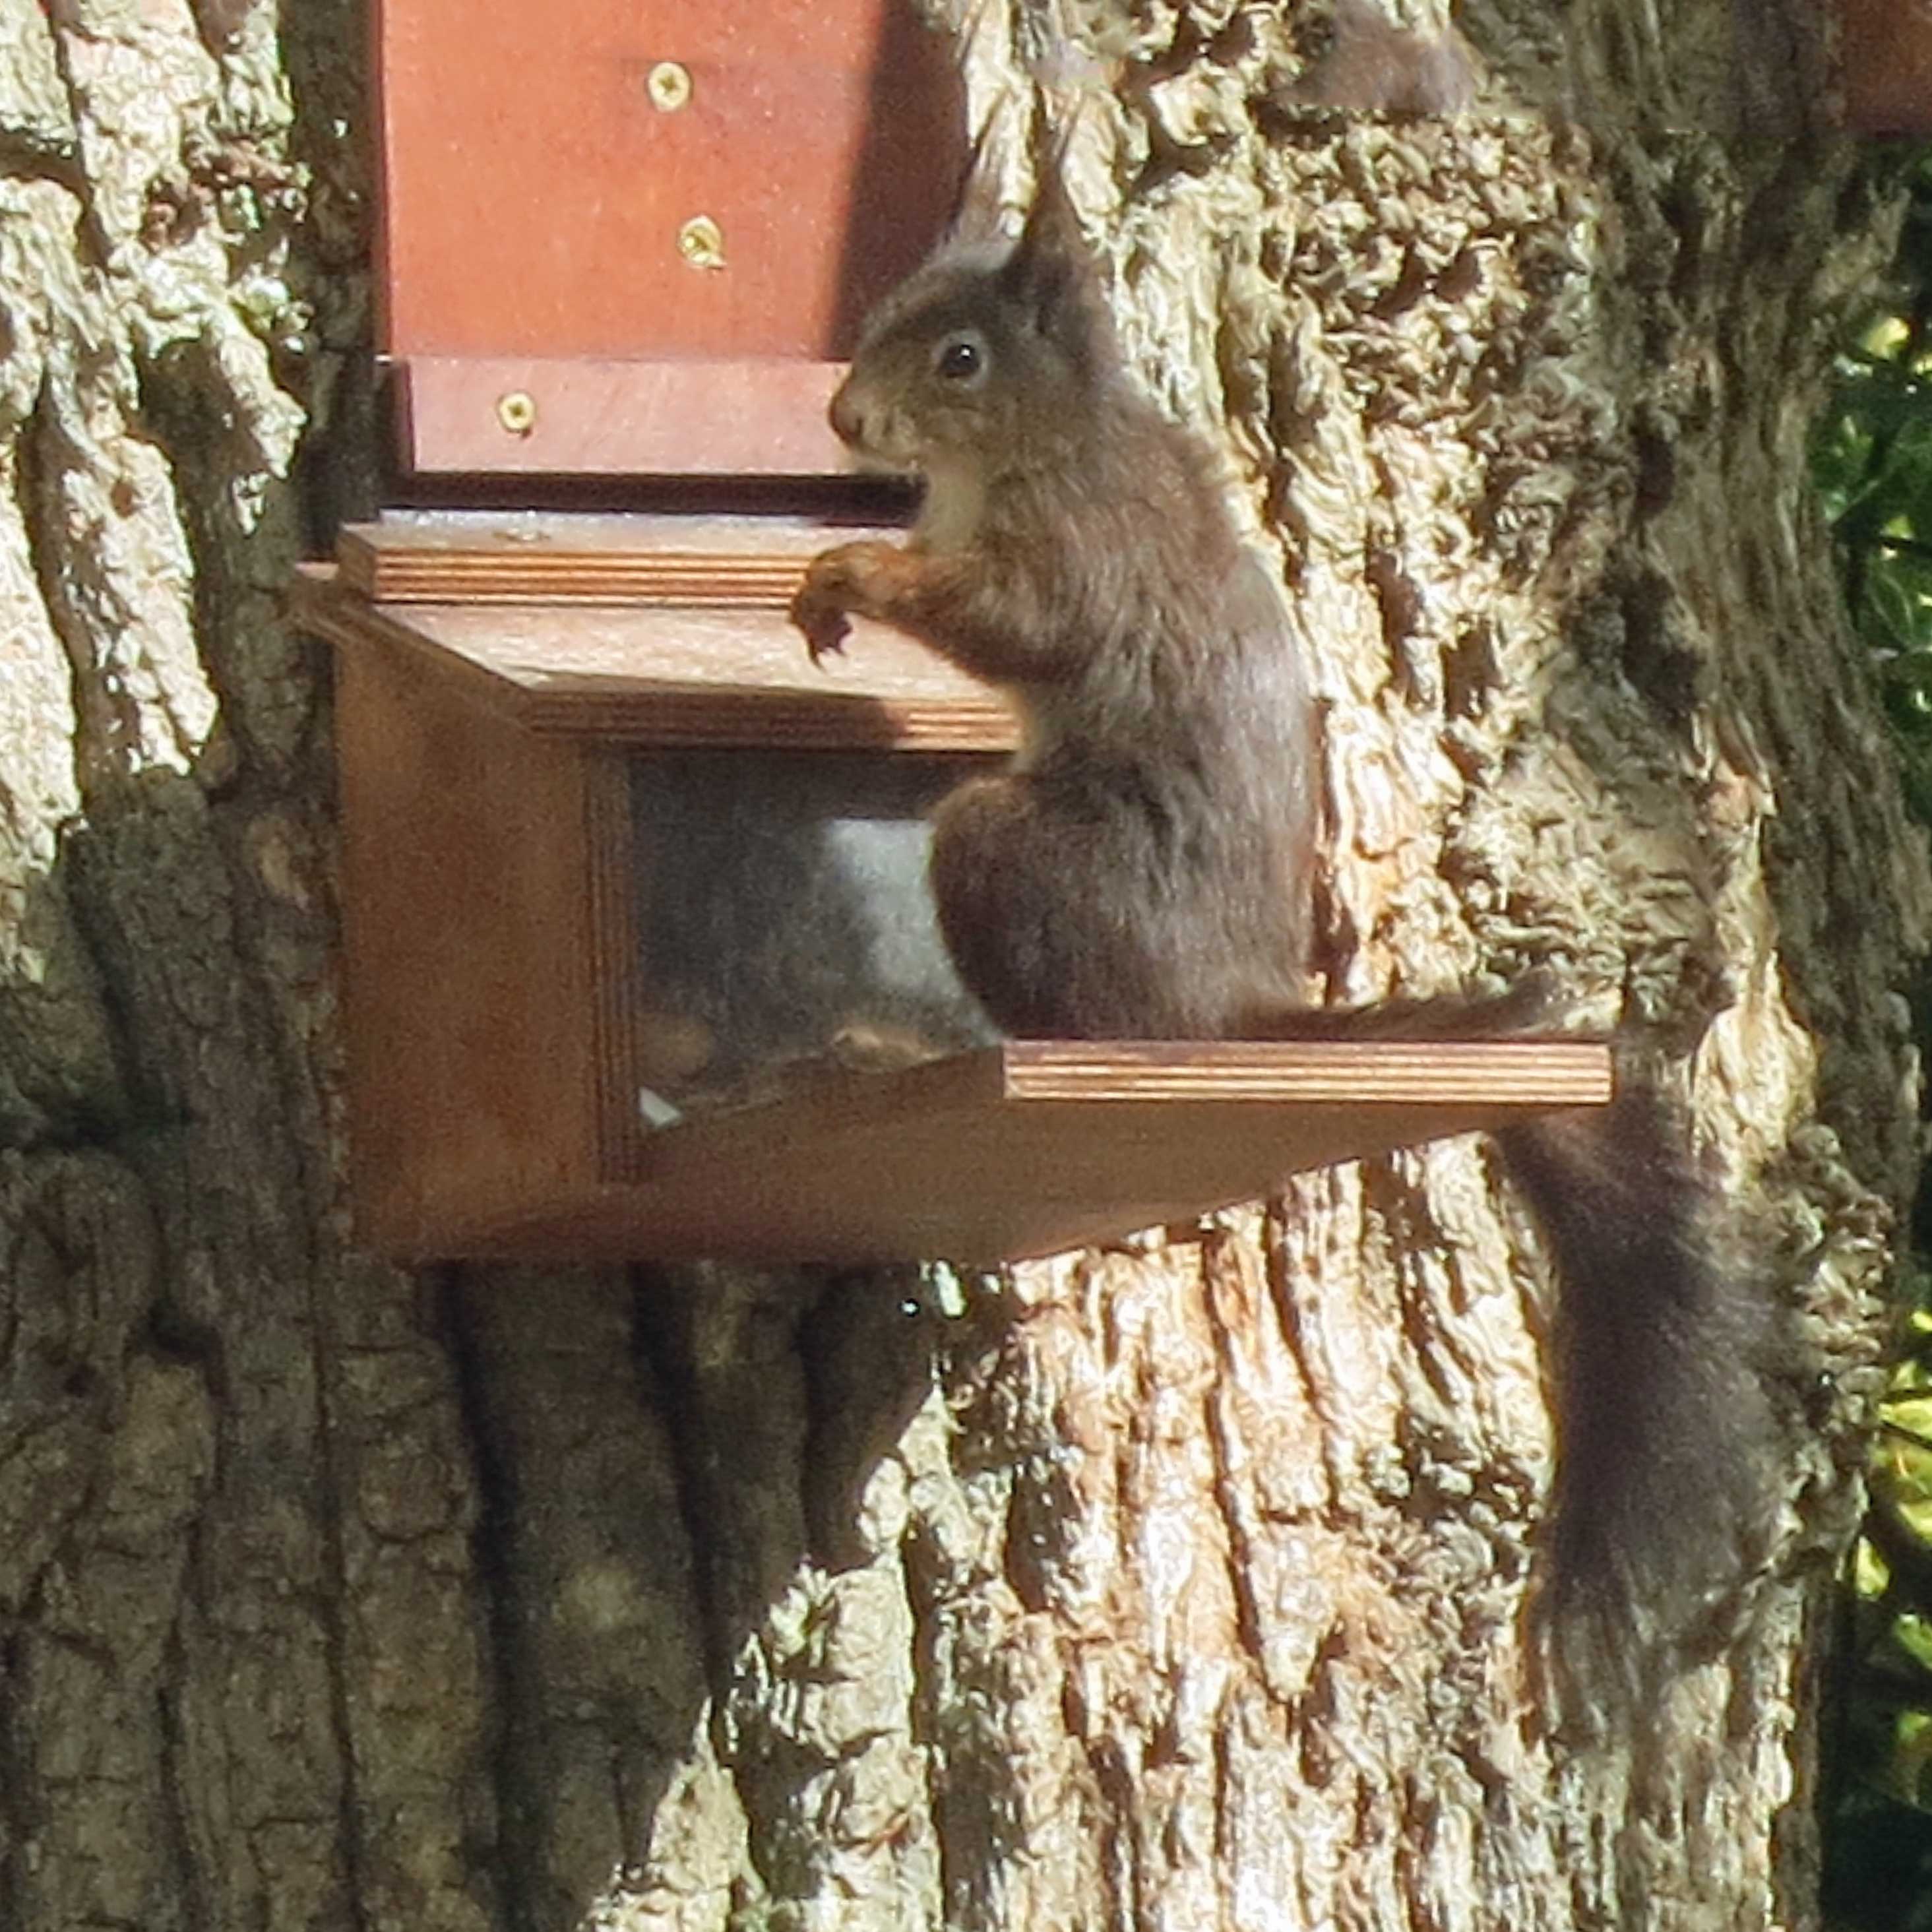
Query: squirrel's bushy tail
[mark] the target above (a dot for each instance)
(1661, 1360)
(1668, 1434)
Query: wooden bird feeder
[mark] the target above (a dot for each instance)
(625, 883)
(639, 957)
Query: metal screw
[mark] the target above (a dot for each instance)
(701, 242)
(669, 85)
(517, 411)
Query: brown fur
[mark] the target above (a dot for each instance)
(1372, 65)
(1142, 869)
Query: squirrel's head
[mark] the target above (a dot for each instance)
(981, 357)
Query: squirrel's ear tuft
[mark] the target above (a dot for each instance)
(978, 216)
(1050, 275)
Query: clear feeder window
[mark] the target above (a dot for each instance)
(783, 918)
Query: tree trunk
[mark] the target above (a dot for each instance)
(1177, 1585)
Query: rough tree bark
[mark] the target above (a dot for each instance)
(1173, 1585)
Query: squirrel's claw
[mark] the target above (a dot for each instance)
(824, 623)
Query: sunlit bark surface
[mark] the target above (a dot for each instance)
(1175, 1586)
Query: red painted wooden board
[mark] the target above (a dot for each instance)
(563, 415)
(534, 190)
(1887, 51)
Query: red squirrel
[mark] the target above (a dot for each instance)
(1142, 869)
(1373, 65)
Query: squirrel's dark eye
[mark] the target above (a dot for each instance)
(960, 358)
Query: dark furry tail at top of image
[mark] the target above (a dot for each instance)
(1662, 1351)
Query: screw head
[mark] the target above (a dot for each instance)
(668, 84)
(517, 412)
(701, 242)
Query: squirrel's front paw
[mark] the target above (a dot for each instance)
(820, 615)
(834, 585)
